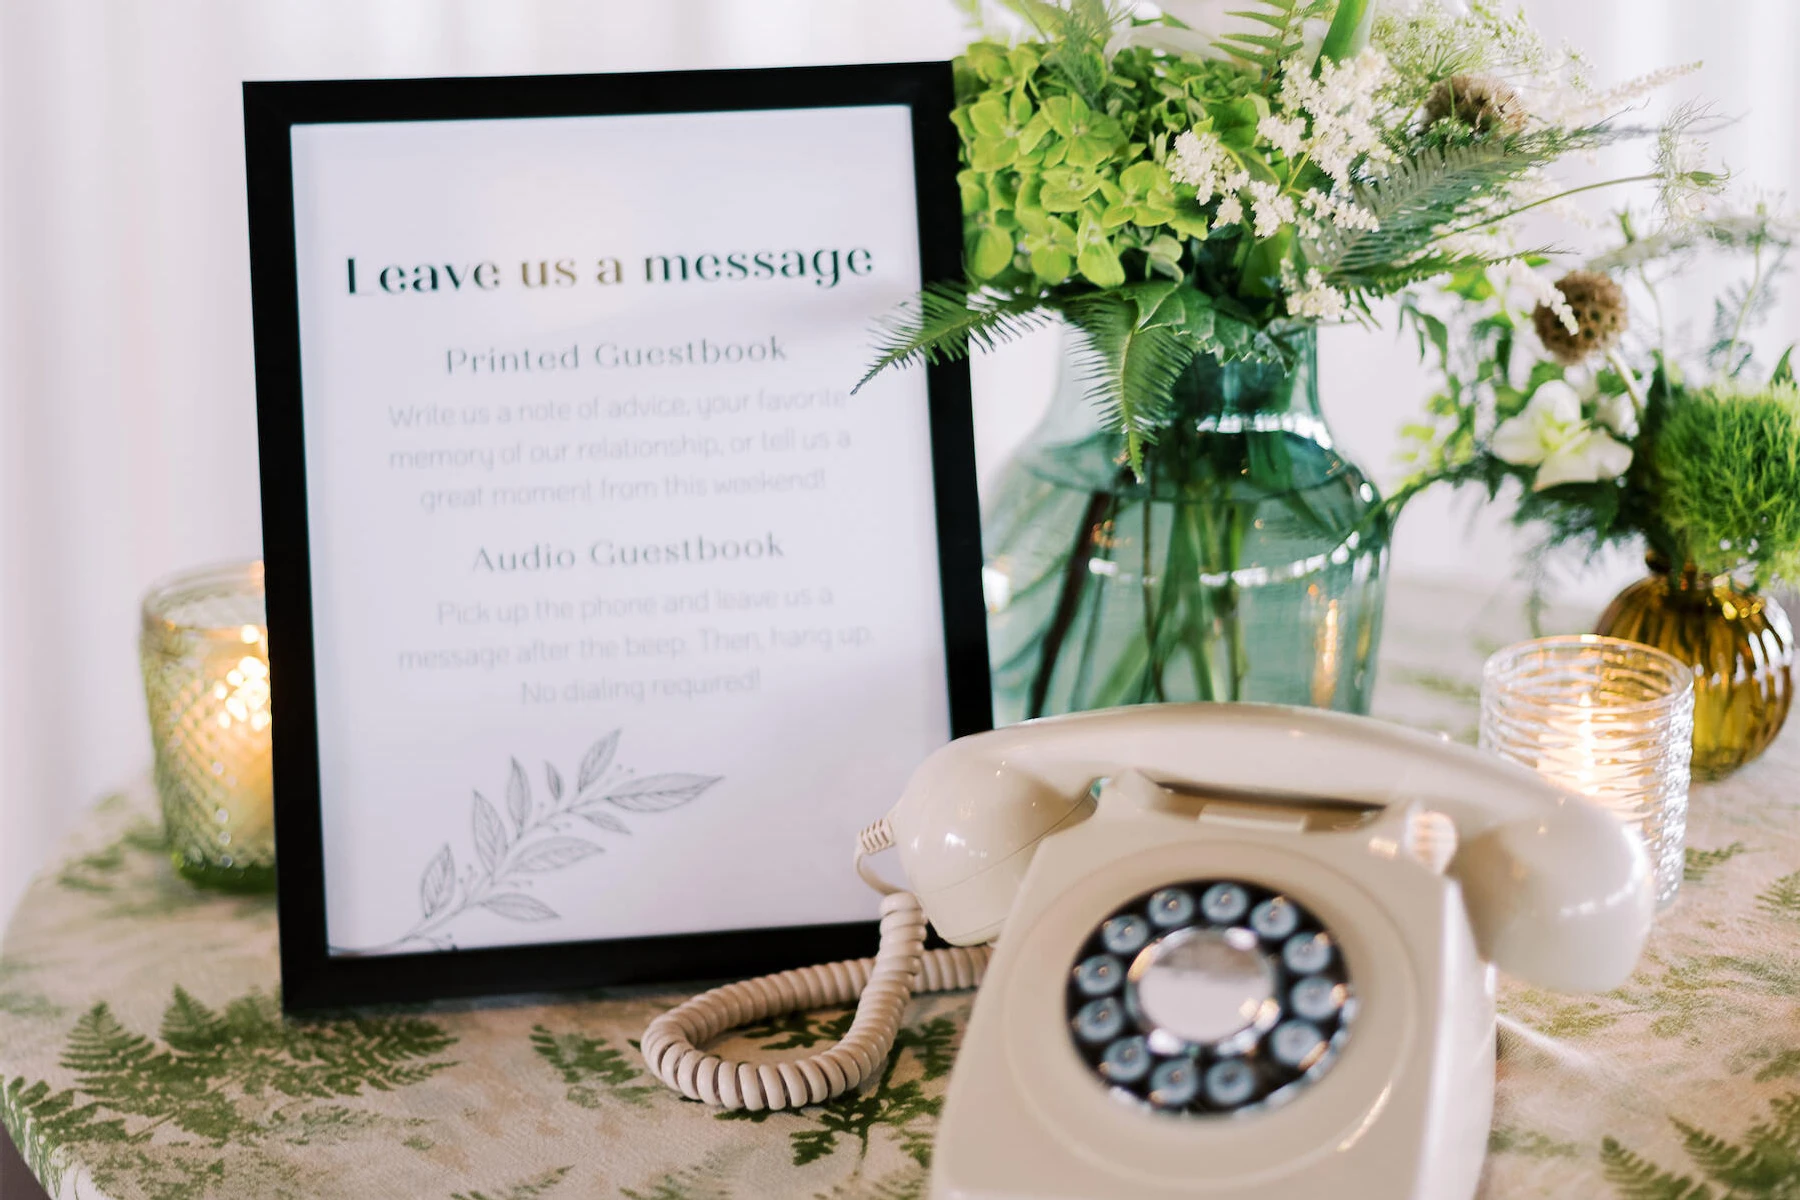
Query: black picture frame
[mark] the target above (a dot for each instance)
(315, 980)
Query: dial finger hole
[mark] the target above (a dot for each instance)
(1175, 1084)
(1230, 1084)
(1316, 998)
(1275, 918)
(1307, 953)
(1099, 975)
(1297, 1044)
(1171, 907)
(1100, 1021)
(1224, 903)
(1125, 934)
(1126, 1060)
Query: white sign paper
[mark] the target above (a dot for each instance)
(627, 615)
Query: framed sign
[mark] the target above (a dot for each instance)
(601, 614)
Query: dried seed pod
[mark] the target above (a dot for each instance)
(1600, 318)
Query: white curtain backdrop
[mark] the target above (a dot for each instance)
(127, 427)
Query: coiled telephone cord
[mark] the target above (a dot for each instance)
(885, 984)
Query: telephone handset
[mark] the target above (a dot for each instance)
(1246, 953)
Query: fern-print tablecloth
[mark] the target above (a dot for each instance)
(142, 1054)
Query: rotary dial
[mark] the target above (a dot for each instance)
(1210, 997)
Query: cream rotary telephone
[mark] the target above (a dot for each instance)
(1248, 952)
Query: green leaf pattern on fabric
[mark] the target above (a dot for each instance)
(592, 1069)
(1700, 863)
(1782, 898)
(1763, 1163)
(230, 1079)
(897, 1102)
(525, 1189)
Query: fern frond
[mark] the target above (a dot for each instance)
(1753, 1169)
(45, 1125)
(1417, 203)
(1077, 32)
(1700, 863)
(1782, 898)
(190, 1026)
(946, 319)
(904, 1184)
(1131, 370)
(1267, 52)
(712, 1178)
(538, 1185)
(1638, 1179)
(1388, 278)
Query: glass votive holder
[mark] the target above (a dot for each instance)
(205, 657)
(1607, 718)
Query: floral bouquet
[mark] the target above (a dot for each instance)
(1192, 192)
(1174, 186)
(1694, 449)
(1613, 434)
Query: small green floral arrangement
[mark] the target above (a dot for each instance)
(1609, 435)
(1206, 183)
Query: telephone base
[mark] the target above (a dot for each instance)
(1397, 1108)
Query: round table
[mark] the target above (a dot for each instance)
(143, 1054)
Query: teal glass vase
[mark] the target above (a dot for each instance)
(1248, 564)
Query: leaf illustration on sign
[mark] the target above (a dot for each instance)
(517, 907)
(518, 796)
(553, 855)
(538, 840)
(597, 761)
(439, 882)
(490, 834)
(658, 793)
(605, 820)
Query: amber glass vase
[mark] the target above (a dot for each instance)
(1739, 644)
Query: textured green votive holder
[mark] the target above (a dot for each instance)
(205, 657)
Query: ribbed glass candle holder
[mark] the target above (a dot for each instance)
(204, 649)
(1610, 719)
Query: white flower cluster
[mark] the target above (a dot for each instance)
(1330, 121)
(1202, 160)
(1335, 209)
(1343, 107)
(1271, 208)
(1312, 296)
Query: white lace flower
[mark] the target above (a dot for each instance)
(1312, 298)
(1270, 208)
(1202, 160)
(1287, 136)
(1551, 436)
(1345, 214)
(1231, 211)
(1340, 106)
